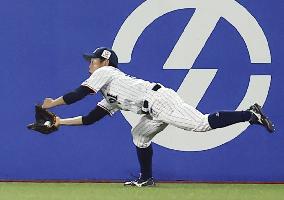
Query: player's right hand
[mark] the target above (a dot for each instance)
(48, 103)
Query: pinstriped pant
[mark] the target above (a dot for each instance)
(166, 107)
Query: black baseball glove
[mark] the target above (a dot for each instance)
(45, 121)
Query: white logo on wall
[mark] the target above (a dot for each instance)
(196, 33)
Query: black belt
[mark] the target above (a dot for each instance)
(156, 87)
(145, 107)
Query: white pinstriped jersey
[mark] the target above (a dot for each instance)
(123, 92)
(120, 91)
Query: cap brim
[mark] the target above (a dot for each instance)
(88, 57)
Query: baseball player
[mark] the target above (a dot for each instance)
(158, 106)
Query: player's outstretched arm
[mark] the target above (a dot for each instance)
(69, 121)
(94, 116)
(68, 98)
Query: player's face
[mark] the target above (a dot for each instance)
(95, 64)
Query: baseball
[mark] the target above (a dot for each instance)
(47, 123)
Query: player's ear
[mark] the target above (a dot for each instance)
(106, 62)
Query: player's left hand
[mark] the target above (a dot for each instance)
(57, 122)
(46, 122)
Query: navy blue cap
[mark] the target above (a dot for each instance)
(104, 53)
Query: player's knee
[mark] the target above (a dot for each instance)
(202, 125)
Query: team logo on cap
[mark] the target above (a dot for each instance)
(106, 54)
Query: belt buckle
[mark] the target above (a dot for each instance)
(145, 107)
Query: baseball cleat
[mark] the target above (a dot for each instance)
(258, 117)
(141, 183)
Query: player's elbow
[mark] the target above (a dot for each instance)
(94, 116)
(86, 120)
(76, 95)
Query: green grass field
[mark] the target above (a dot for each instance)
(163, 191)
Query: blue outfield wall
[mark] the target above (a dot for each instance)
(41, 56)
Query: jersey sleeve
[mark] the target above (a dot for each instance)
(107, 106)
(98, 79)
